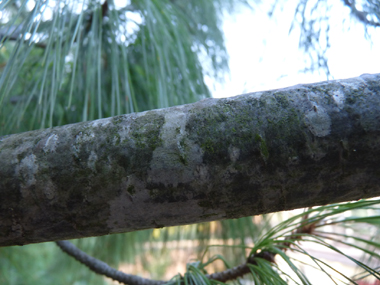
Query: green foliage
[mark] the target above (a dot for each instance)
(313, 18)
(69, 61)
(280, 251)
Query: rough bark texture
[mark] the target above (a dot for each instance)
(215, 159)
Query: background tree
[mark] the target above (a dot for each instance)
(313, 19)
(71, 61)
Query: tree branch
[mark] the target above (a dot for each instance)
(305, 227)
(257, 153)
(103, 268)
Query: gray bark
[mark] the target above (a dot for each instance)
(215, 159)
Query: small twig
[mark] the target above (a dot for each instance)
(103, 268)
(230, 274)
(242, 269)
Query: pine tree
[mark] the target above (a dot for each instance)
(65, 61)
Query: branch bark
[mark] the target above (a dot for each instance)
(215, 159)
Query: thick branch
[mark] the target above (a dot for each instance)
(262, 152)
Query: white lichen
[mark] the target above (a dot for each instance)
(256, 95)
(51, 143)
(353, 83)
(84, 137)
(26, 170)
(234, 153)
(201, 173)
(339, 98)
(101, 122)
(318, 121)
(49, 189)
(173, 129)
(172, 162)
(81, 138)
(92, 159)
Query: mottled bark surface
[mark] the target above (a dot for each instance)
(215, 159)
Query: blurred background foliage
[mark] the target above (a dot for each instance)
(69, 61)
(66, 61)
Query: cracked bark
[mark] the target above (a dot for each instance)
(256, 153)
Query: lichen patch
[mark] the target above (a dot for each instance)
(26, 171)
(49, 189)
(84, 137)
(339, 98)
(93, 158)
(256, 95)
(351, 84)
(51, 143)
(172, 161)
(318, 121)
(101, 122)
(174, 128)
(234, 153)
(80, 139)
